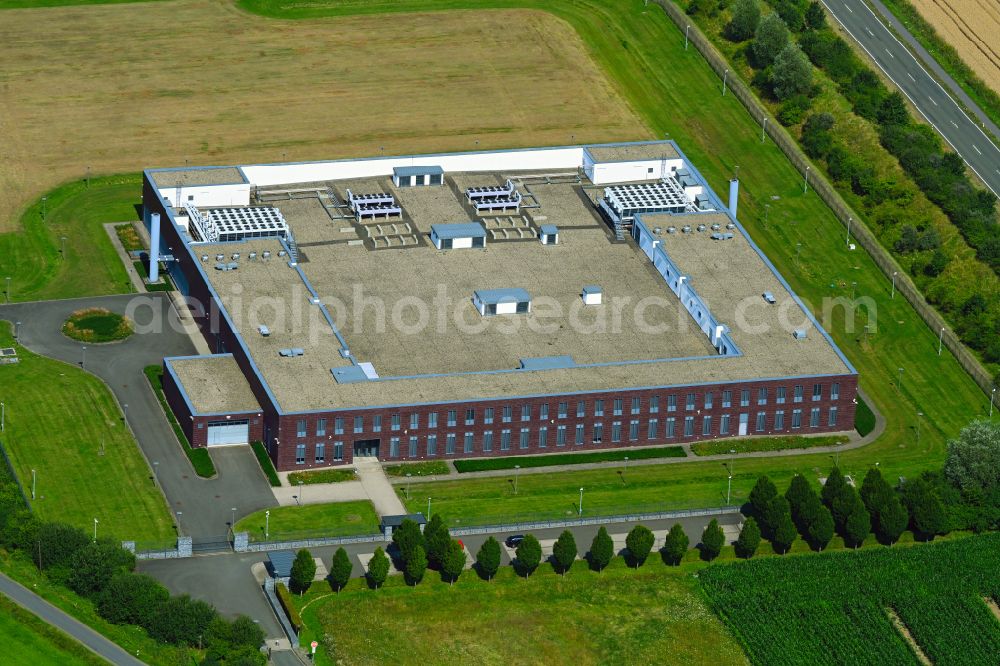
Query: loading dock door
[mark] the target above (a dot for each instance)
(224, 433)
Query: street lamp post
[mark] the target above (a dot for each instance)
(232, 523)
(17, 331)
(7, 291)
(428, 508)
(626, 464)
(581, 503)
(156, 471)
(517, 470)
(899, 383)
(83, 360)
(767, 209)
(302, 490)
(179, 514)
(267, 524)
(798, 249)
(95, 529)
(993, 394)
(408, 476)
(763, 129)
(940, 340)
(3, 416)
(805, 182)
(854, 286)
(893, 293)
(34, 478)
(919, 417)
(686, 30)
(725, 79)
(849, 220)
(62, 246)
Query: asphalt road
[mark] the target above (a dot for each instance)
(205, 504)
(225, 580)
(931, 99)
(81, 632)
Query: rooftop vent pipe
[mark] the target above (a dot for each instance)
(734, 193)
(154, 247)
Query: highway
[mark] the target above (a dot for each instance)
(927, 95)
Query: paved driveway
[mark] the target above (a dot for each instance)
(205, 504)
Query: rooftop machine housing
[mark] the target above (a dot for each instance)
(491, 302)
(415, 176)
(458, 236)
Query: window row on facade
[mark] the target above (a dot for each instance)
(633, 430)
(597, 408)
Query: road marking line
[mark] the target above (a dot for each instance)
(890, 53)
(870, 33)
(848, 8)
(911, 77)
(977, 149)
(932, 101)
(955, 124)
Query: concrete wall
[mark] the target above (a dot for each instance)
(209, 195)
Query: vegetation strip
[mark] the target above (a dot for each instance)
(484, 464)
(266, 464)
(322, 476)
(426, 468)
(289, 523)
(755, 444)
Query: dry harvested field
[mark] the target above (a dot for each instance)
(971, 27)
(121, 87)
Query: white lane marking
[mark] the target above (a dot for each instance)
(890, 53)
(974, 147)
(870, 33)
(954, 123)
(848, 8)
(932, 101)
(911, 77)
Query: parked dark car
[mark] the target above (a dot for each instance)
(514, 540)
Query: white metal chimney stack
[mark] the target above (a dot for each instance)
(154, 247)
(734, 194)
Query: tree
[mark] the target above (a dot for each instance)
(808, 512)
(131, 599)
(564, 552)
(437, 537)
(746, 18)
(875, 491)
(712, 540)
(815, 16)
(927, 514)
(893, 111)
(453, 561)
(93, 566)
(892, 521)
(676, 544)
(776, 510)
(858, 525)
(488, 558)
(378, 568)
(798, 490)
(639, 542)
(528, 555)
(760, 496)
(416, 565)
(973, 459)
(770, 39)
(303, 572)
(56, 545)
(602, 549)
(340, 569)
(792, 73)
(784, 534)
(749, 539)
(181, 621)
(407, 537)
(820, 530)
(836, 496)
(244, 632)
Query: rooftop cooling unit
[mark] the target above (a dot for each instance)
(671, 230)
(266, 254)
(220, 257)
(686, 228)
(236, 256)
(204, 257)
(702, 227)
(716, 227)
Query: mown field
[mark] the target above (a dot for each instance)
(834, 608)
(30, 640)
(299, 522)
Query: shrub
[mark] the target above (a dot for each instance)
(815, 17)
(749, 539)
(244, 632)
(416, 565)
(303, 572)
(56, 544)
(130, 598)
(340, 569)
(744, 22)
(181, 620)
(528, 555)
(378, 568)
(675, 545)
(793, 109)
(602, 549)
(792, 74)
(488, 558)
(639, 542)
(564, 552)
(769, 39)
(93, 566)
(712, 541)
(266, 465)
(973, 459)
(288, 605)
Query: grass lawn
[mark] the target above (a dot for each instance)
(29, 640)
(165, 285)
(97, 325)
(483, 464)
(31, 255)
(621, 616)
(427, 468)
(296, 522)
(88, 463)
(722, 447)
(322, 476)
(643, 53)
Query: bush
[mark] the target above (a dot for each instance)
(712, 541)
(130, 598)
(378, 568)
(56, 544)
(675, 545)
(303, 572)
(181, 621)
(973, 459)
(791, 74)
(416, 565)
(528, 556)
(340, 570)
(639, 542)
(564, 552)
(488, 558)
(793, 109)
(266, 465)
(93, 566)
(815, 16)
(602, 549)
(770, 38)
(744, 22)
(749, 539)
(288, 605)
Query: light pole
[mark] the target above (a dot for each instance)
(62, 246)
(893, 293)
(232, 524)
(940, 340)
(849, 220)
(686, 30)
(725, 78)
(7, 291)
(95, 529)
(179, 514)
(156, 471)
(854, 286)
(517, 470)
(408, 476)
(125, 411)
(899, 383)
(3, 416)
(626, 465)
(805, 182)
(993, 394)
(763, 129)
(34, 478)
(83, 361)
(581, 503)
(798, 249)
(267, 524)
(45, 201)
(919, 417)
(428, 508)
(17, 331)
(302, 490)
(767, 209)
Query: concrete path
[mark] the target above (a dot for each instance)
(320, 493)
(33, 603)
(378, 488)
(205, 504)
(855, 441)
(133, 275)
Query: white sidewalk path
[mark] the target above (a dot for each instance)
(372, 484)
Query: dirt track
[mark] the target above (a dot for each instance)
(972, 28)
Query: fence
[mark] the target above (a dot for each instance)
(13, 475)
(242, 546)
(826, 192)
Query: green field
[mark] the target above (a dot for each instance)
(87, 462)
(312, 520)
(831, 608)
(620, 616)
(723, 447)
(29, 640)
(31, 257)
(483, 464)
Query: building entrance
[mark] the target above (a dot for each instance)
(367, 448)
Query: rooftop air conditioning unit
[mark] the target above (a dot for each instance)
(220, 257)
(204, 257)
(236, 256)
(686, 228)
(799, 334)
(671, 230)
(701, 227)
(716, 227)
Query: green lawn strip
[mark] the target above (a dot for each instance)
(31, 255)
(29, 640)
(864, 418)
(946, 56)
(129, 237)
(87, 461)
(322, 476)
(621, 616)
(200, 458)
(266, 464)
(484, 464)
(166, 285)
(97, 325)
(312, 520)
(132, 639)
(721, 447)
(643, 54)
(428, 468)
(832, 607)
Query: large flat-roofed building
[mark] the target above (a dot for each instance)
(654, 319)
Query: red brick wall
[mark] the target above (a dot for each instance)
(284, 451)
